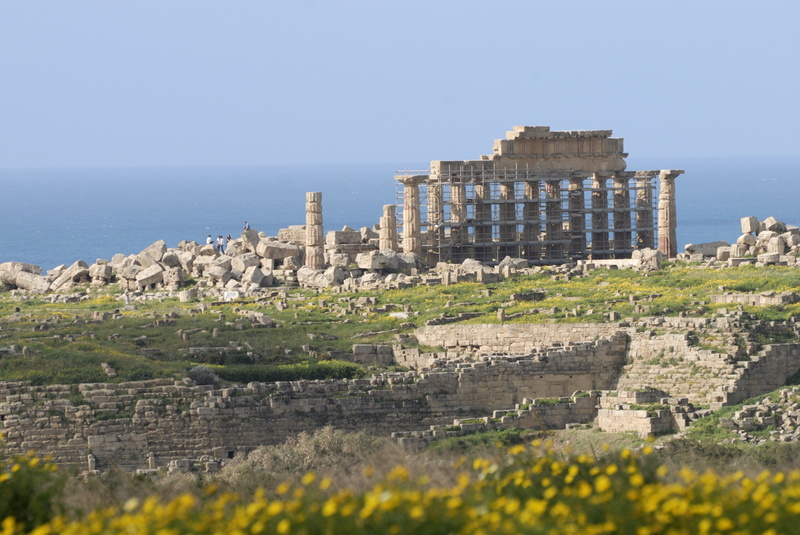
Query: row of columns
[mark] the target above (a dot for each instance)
(560, 241)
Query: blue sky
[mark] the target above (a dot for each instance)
(99, 83)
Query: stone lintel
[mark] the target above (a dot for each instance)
(411, 179)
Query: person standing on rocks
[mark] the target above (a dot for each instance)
(220, 243)
(246, 226)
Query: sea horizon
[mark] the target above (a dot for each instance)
(58, 215)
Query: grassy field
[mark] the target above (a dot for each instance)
(314, 330)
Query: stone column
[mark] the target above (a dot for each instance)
(531, 213)
(577, 217)
(315, 244)
(508, 225)
(667, 213)
(435, 220)
(483, 220)
(622, 216)
(599, 217)
(644, 213)
(458, 214)
(554, 223)
(412, 242)
(388, 229)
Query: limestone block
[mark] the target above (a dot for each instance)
(747, 240)
(188, 247)
(372, 260)
(292, 263)
(344, 236)
(470, 265)
(252, 275)
(171, 259)
(317, 278)
(130, 272)
(207, 250)
(223, 261)
(173, 277)
(277, 250)
(336, 275)
(118, 259)
(244, 261)
(774, 225)
(100, 271)
(31, 282)
(764, 236)
(769, 258)
(368, 234)
(77, 272)
(776, 245)
(738, 250)
(235, 248)
(186, 259)
(339, 260)
(749, 224)
(250, 240)
(293, 234)
(150, 275)
(156, 250)
(218, 273)
(723, 253)
(705, 249)
(16, 267)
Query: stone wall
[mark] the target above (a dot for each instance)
(120, 424)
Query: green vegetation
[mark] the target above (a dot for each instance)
(315, 329)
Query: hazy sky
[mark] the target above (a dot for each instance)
(111, 83)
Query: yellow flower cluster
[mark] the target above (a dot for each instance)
(525, 491)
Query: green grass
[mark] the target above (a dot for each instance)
(66, 346)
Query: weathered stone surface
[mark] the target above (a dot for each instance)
(293, 234)
(250, 240)
(77, 272)
(748, 240)
(252, 275)
(242, 262)
(648, 259)
(344, 236)
(150, 276)
(276, 250)
(705, 249)
(16, 267)
(470, 265)
(723, 253)
(774, 225)
(218, 273)
(749, 225)
(154, 251)
(31, 281)
(171, 258)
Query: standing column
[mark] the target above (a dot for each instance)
(577, 217)
(667, 213)
(435, 220)
(483, 220)
(412, 242)
(458, 214)
(315, 246)
(531, 213)
(554, 225)
(508, 225)
(622, 216)
(388, 233)
(644, 213)
(599, 217)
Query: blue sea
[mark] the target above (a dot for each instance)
(51, 216)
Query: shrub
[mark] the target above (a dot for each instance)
(203, 375)
(28, 488)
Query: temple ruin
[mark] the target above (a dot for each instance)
(549, 197)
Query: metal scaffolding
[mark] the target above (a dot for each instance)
(489, 213)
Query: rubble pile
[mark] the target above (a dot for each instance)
(767, 242)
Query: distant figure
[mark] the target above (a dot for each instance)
(228, 242)
(220, 243)
(209, 240)
(246, 226)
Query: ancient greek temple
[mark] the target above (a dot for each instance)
(549, 197)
